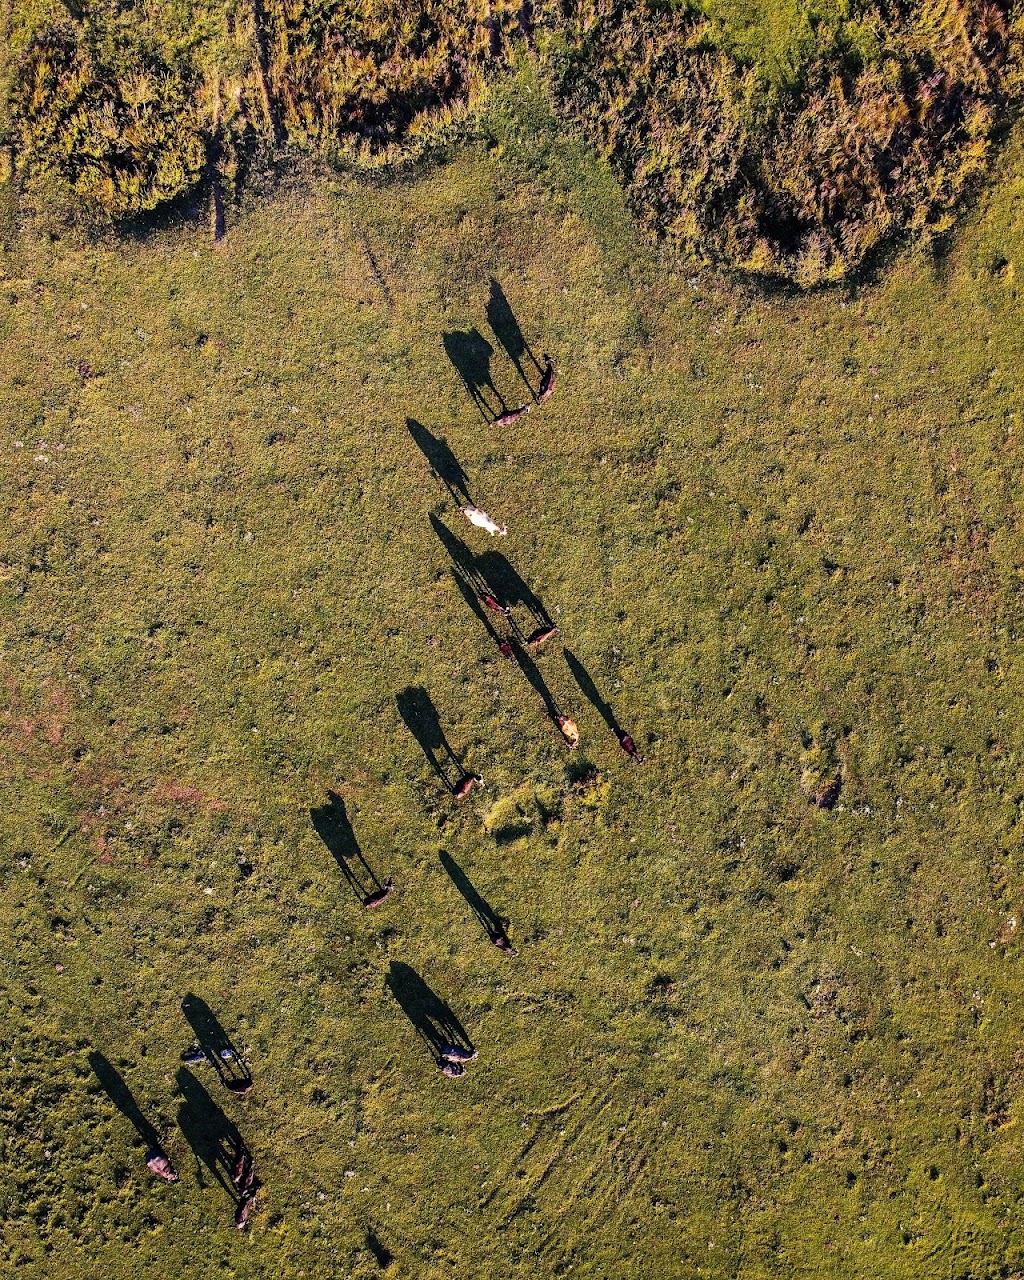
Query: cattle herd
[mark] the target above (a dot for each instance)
(495, 593)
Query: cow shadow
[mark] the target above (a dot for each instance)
(443, 463)
(472, 598)
(213, 1136)
(505, 327)
(331, 823)
(216, 1045)
(382, 1255)
(417, 710)
(470, 353)
(113, 1085)
(493, 925)
(508, 587)
(537, 683)
(460, 555)
(432, 1018)
(591, 692)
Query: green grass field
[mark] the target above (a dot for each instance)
(744, 1036)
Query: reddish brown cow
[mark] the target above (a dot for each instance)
(628, 745)
(538, 637)
(382, 895)
(513, 415)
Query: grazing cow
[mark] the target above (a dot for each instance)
(158, 1164)
(483, 521)
(506, 649)
(381, 895)
(537, 638)
(456, 1053)
(451, 1068)
(466, 784)
(503, 944)
(547, 379)
(569, 730)
(492, 604)
(513, 415)
(628, 745)
(243, 1210)
(244, 1172)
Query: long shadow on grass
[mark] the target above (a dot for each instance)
(508, 587)
(421, 719)
(443, 463)
(382, 1255)
(470, 353)
(114, 1086)
(213, 1137)
(493, 581)
(537, 683)
(216, 1045)
(502, 320)
(492, 924)
(591, 691)
(473, 600)
(459, 554)
(332, 825)
(427, 1012)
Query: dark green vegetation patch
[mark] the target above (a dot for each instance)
(886, 121)
(787, 142)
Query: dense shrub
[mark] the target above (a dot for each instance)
(374, 75)
(98, 109)
(802, 184)
(877, 129)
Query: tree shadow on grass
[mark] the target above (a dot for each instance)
(432, 1018)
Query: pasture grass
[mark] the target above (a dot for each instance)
(745, 1036)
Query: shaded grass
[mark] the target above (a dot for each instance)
(744, 1036)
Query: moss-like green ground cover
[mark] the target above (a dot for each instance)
(745, 1036)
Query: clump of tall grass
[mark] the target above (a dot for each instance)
(373, 78)
(878, 132)
(101, 117)
(876, 137)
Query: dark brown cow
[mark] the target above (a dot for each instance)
(547, 379)
(628, 745)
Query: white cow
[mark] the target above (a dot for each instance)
(483, 521)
